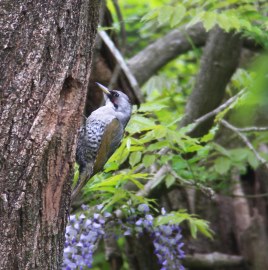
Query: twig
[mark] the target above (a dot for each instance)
(117, 68)
(122, 25)
(151, 183)
(245, 140)
(252, 129)
(217, 110)
(209, 192)
(120, 60)
(165, 169)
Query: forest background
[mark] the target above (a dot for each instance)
(196, 145)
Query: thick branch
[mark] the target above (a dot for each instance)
(148, 61)
(219, 61)
(156, 55)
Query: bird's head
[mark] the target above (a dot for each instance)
(119, 102)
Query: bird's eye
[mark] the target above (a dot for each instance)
(115, 94)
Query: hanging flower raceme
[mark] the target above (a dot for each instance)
(85, 231)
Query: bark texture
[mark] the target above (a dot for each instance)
(45, 54)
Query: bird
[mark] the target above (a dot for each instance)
(101, 135)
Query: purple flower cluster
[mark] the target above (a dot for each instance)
(83, 233)
(166, 240)
(168, 246)
(81, 238)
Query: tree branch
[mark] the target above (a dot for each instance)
(212, 260)
(245, 140)
(120, 60)
(215, 72)
(147, 62)
(217, 110)
(252, 129)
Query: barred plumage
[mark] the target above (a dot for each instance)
(101, 135)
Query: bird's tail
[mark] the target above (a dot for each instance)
(84, 176)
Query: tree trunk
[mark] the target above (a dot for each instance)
(45, 54)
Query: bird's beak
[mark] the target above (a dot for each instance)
(103, 88)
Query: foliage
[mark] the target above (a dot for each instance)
(153, 138)
(245, 16)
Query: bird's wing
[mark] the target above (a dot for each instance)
(110, 140)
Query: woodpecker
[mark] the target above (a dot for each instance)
(101, 135)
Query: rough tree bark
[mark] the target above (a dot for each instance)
(45, 54)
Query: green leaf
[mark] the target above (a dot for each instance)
(165, 14)
(203, 227)
(149, 136)
(193, 229)
(139, 123)
(160, 132)
(239, 154)
(222, 165)
(224, 22)
(111, 166)
(118, 196)
(152, 106)
(137, 183)
(111, 181)
(210, 135)
(158, 145)
(158, 181)
(221, 150)
(120, 155)
(172, 218)
(165, 158)
(134, 158)
(170, 180)
(252, 160)
(209, 20)
(177, 15)
(150, 15)
(195, 223)
(178, 163)
(148, 160)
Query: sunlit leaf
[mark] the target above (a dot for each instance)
(222, 165)
(134, 158)
(170, 180)
(148, 160)
(165, 14)
(178, 14)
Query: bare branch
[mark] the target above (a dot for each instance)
(120, 60)
(212, 260)
(217, 110)
(252, 129)
(245, 140)
(151, 183)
